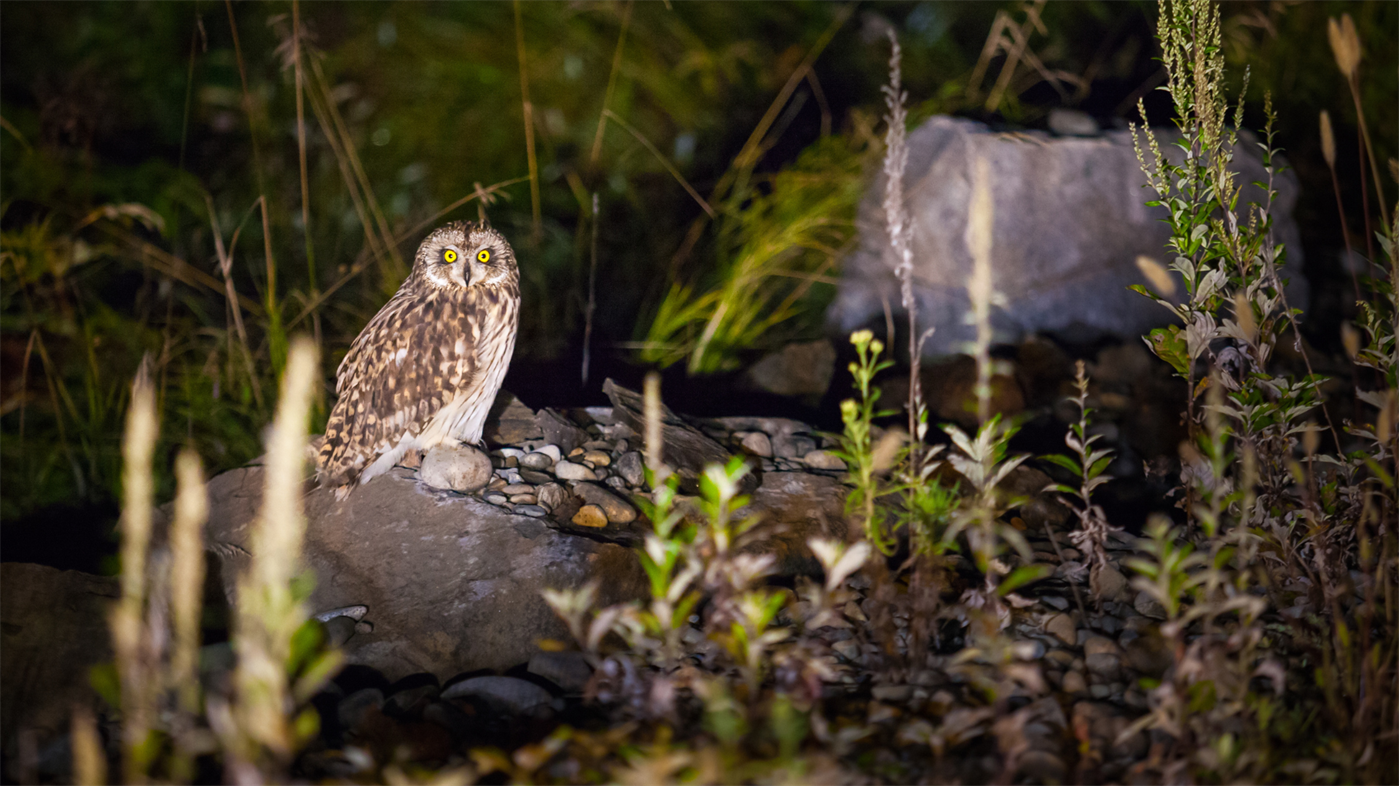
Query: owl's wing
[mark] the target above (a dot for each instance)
(411, 358)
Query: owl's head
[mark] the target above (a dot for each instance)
(465, 254)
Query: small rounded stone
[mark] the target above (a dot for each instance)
(567, 470)
(1074, 683)
(536, 461)
(590, 516)
(531, 510)
(457, 467)
(597, 458)
(823, 459)
(758, 444)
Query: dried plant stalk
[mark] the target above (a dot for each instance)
(128, 631)
(268, 612)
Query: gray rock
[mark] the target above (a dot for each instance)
(1106, 665)
(1062, 627)
(560, 431)
(351, 709)
(631, 468)
(823, 459)
(617, 510)
(452, 583)
(568, 670)
(535, 478)
(757, 443)
(532, 510)
(1041, 766)
(684, 448)
(1072, 122)
(551, 495)
(410, 701)
(54, 631)
(1113, 585)
(510, 422)
(506, 695)
(1055, 602)
(1070, 221)
(567, 470)
(800, 370)
(1148, 606)
(460, 468)
(536, 461)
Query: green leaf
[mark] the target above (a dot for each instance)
(1067, 462)
(1021, 576)
(1169, 344)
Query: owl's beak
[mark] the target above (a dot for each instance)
(464, 273)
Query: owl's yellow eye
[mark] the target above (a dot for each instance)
(449, 256)
(483, 255)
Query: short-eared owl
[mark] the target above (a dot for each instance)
(427, 367)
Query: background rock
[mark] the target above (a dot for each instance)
(53, 624)
(452, 583)
(801, 370)
(1069, 224)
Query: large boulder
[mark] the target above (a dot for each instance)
(1070, 221)
(451, 583)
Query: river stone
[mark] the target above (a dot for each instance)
(510, 422)
(1069, 224)
(617, 510)
(567, 470)
(460, 468)
(536, 461)
(823, 459)
(802, 370)
(452, 583)
(1113, 585)
(590, 516)
(1148, 606)
(1062, 627)
(568, 670)
(757, 443)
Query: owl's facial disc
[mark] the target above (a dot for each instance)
(449, 267)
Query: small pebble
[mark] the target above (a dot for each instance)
(1062, 627)
(536, 461)
(891, 693)
(1074, 683)
(1054, 601)
(1106, 665)
(523, 499)
(1099, 691)
(590, 516)
(1113, 585)
(1096, 645)
(517, 488)
(534, 477)
(495, 498)
(575, 452)
(531, 510)
(597, 458)
(567, 470)
(552, 451)
(848, 649)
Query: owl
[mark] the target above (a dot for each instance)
(427, 367)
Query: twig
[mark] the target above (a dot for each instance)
(611, 84)
(527, 108)
(669, 167)
(592, 291)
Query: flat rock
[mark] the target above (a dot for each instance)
(1148, 606)
(510, 422)
(631, 469)
(567, 470)
(452, 583)
(560, 431)
(1062, 627)
(53, 625)
(506, 695)
(568, 670)
(685, 448)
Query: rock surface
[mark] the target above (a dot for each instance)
(452, 583)
(53, 625)
(1070, 221)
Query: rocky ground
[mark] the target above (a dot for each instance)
(429, 578)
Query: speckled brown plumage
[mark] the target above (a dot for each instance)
(427, 367)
